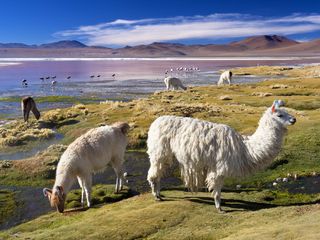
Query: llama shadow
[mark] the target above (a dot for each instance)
(48, 124)
(67, 123)
(75, 210)
(236, 205)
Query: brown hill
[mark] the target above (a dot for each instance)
(253, 46)
(264, 42)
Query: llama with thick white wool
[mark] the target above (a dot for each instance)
(89, 153)
(226, 76)
(208, 152)
(174, 83)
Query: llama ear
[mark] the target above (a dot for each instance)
(274, 106)
(47, 192)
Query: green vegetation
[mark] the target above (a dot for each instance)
(100, 194)
(181, 216)
(7, 204)
(255, 210)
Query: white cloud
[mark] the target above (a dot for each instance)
(216, 26)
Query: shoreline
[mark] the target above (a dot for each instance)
(227, 58)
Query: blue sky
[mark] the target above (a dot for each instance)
(133, 22)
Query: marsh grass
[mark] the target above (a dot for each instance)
(8, 204)
(257, 210)
(181, 216)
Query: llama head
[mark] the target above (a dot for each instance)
(56, 197)
(279, 115)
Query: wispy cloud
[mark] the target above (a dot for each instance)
(216, 26)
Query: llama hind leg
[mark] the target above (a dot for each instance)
(215, 184)
(154, 176)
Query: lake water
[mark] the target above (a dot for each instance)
(133, 78)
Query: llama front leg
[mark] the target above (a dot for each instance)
(117, 167)
(217, 200)
(217, 193)
(82, 191)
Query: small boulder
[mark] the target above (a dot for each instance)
(225, 97)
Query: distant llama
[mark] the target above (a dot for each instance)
(226, 76)
(28, 104)
(174, 83)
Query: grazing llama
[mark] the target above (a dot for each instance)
(89, 153)
(174, 83)
(27, 105)
(208, 152)
(226, 76)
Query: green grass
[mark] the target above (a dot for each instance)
(255, 211)
(181, 216)
(8, 204)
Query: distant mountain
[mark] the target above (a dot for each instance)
(312, 47)
(264, 42)
(15, 45)
(60, 44)
(63, 44)
(267, 45)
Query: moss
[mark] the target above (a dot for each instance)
(100, 194)
(18, 133)
(7, 205)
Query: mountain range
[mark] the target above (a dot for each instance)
(266, 45)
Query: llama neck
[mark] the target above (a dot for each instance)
(265, 144)
(64, 178)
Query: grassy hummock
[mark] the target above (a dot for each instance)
(256, 209)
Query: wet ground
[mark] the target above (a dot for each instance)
(32, 203)
(304, 185)
(38, 147)
(132, 79)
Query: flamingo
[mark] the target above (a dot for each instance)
(24, 82)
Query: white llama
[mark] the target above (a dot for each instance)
(174, 83)
(208, 152)
(226, 76)
(89, 153)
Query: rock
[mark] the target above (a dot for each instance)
(5, 164)
(262, 94)
(274, 184)
(285, 180)
(238, 187)
(225, 97)
(314, 174)
(278, 179)
(277, 86)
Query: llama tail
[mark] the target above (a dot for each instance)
(124, 127)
